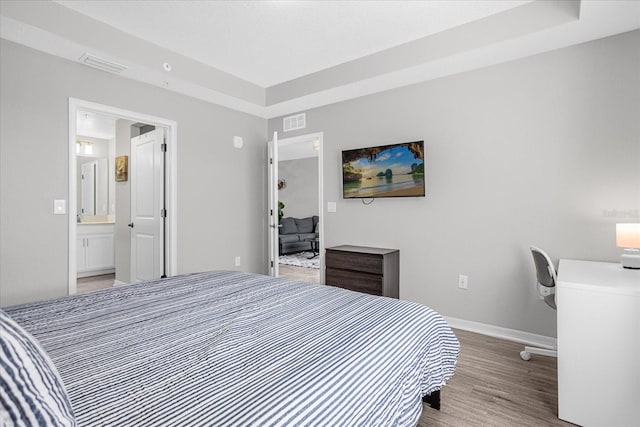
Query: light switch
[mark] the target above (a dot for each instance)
(237, 141)
(331, 206)
(59, 207)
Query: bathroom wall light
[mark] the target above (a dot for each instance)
(84, 147)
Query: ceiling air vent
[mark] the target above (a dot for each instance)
(102, 64)
(294, 122)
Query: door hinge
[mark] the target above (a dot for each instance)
(270, 161)
(163, 213)
(271, 212)
(163, 147)
(271, 264)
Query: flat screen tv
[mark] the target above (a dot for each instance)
(395, 170)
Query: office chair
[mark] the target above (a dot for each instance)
(546, 284)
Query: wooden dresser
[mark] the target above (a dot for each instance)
(373, 271)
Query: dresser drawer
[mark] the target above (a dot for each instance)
(354, 280)
(370, 263)
(364, 269)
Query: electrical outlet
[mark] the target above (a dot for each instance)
(463, 281)
(238, 261)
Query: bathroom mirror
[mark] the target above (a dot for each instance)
(94, 193)
(94, 186)
(95, 171)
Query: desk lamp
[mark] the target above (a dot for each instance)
(628, 237)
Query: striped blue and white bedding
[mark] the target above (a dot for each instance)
(227, 348)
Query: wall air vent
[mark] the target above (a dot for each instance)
(102, 64)
(298, 121)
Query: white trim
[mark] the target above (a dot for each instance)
(503, 333)
(119, 283)
(172, 177)
(305, 138)
(72, 210)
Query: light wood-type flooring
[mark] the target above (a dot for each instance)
(303, 274)
(493, 386)
(93, 283)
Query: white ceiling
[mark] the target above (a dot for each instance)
(297, 148)
(95, 125)
(273, 58)
(270, 42)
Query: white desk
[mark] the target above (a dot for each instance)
(598, 344)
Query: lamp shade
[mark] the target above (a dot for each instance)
(628, 235)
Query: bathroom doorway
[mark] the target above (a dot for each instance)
(104, 180)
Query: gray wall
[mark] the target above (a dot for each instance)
(221, 206)
(544, 151)
(301, 194)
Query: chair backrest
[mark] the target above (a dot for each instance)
(545, 271)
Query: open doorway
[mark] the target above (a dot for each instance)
(299, 186)
(122, 192)
(108, 152)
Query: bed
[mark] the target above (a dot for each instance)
(231, 348)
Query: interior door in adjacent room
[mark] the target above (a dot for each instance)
(147, 206)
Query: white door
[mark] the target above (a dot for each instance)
(87, 206)
(273, 205)
(147, 204)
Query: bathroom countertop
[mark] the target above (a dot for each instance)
(96, 223)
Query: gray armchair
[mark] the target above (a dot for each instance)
(546, 278)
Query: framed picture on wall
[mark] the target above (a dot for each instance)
(122, 168)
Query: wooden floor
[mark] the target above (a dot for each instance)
(93, 283)
(302, 274)
(493, 386)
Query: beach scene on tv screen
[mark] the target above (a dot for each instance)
(385, 171)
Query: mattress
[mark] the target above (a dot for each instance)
(227, 348)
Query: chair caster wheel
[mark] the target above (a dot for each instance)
(525, 355)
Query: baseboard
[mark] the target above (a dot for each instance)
(119, 283)
(96, 273)
(503, 333)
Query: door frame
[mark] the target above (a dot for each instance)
(308, 138)
(273, 203)
(171, 187)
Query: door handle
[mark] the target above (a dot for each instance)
(130, 225)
